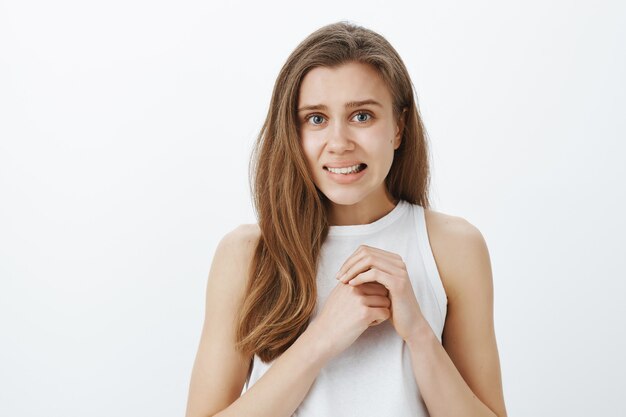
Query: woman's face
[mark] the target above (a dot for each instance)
(348, 132)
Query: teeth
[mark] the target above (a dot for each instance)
(346, 170)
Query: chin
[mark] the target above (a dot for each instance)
(343, 198)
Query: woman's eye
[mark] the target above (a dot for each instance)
(363, 117)
(316, 119)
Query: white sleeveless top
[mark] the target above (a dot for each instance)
(374, 377)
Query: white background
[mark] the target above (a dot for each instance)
(125, 133)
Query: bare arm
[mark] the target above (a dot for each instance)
(285, 384)
(220, 371)
(462, 376)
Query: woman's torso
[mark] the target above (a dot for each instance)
(374, 377)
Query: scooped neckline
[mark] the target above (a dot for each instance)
(375, 226)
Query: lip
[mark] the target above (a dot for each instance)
(345, 178)
(343, 164)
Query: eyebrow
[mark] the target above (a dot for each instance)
(349, 104)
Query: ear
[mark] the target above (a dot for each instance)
(397, 140)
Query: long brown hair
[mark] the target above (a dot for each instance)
(281, 293)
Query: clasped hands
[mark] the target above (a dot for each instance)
(369, 264)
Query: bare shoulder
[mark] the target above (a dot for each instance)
(243, 238)
(450, 228)
(231, 268)
(235, 252)
(458, 246)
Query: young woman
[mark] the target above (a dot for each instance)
(350, 297)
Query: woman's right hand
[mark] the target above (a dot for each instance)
(348, 312)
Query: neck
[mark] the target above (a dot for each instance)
(365, 211)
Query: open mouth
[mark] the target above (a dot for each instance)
(347, 170)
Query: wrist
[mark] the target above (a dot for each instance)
(422, 333)
(318, 346)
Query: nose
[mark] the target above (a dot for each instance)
(338, 139)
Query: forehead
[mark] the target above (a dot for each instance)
(338, 85)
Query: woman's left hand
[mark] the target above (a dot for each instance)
(369, 264)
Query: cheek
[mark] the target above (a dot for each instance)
(310, 147)
(380, 144)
